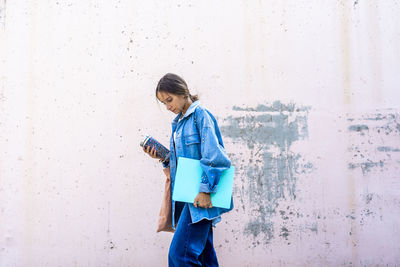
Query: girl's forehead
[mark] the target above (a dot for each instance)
(163, 95)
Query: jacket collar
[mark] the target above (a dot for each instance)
(190, 110)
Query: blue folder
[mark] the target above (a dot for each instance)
(187, 183)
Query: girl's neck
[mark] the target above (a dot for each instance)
(186, 107)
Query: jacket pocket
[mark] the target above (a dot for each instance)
(192, 139)
(192, 146)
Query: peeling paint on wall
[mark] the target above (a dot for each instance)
(268, 172)
(375, 140)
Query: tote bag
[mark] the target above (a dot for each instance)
(165, 216)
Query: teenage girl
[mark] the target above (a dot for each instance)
(196, 135)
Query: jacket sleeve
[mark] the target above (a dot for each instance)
(214, 159)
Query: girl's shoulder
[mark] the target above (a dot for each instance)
(203, 115)
(203, 112)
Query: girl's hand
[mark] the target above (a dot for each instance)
(202, 200)
(152, 152)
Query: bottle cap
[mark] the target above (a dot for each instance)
(144, 141)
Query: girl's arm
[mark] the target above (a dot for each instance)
(214, 159)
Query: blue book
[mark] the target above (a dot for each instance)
(187, 183)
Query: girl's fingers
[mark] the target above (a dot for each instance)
(153, 152)
(199, 204)
(149, 151)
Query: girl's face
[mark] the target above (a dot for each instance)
(174, 103)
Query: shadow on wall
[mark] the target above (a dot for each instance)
(267, 168)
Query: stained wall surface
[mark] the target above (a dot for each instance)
(306, 94)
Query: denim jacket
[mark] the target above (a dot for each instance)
(197, 136)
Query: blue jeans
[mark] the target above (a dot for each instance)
(192, 244)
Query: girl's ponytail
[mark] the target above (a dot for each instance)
(193, 97)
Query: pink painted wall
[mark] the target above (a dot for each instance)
(306, 94)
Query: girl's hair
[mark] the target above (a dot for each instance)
(173, 84)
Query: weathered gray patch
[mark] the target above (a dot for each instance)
(351, 216)
(358, 128)
(284, 232)
(371, 133)
(387, 149)
(269, 169)
(313, 227)
(366, 166)
(277, 106)
(368, 198)
(260, 226)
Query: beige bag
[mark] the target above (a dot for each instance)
(165, 217)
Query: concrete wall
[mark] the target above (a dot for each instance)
(306, 94)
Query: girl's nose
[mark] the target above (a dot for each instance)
(169, 107)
